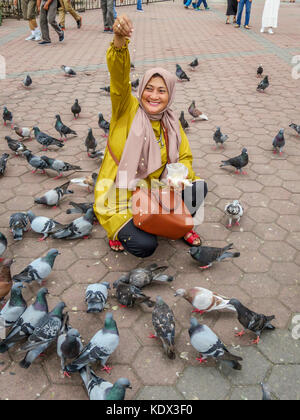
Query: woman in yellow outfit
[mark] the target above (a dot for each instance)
(137, 148)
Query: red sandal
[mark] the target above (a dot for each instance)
(194, 235)
(115, 243)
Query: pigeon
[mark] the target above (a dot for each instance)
(234, 211)
(164, 325)
(53, 197)
(19, 223)
(15, 145)
(14, 308)
(5, 278)
(219, 138)
(103, 124)
(79, 228)
(62, 129)
(24, 133)
(135, 83)
(266, 394)
(45, 140)
(238, 162)
(68, 71)
(60, 166)
(295, 127)
(96, 296)
(206, 255)
(45, 332)
(99, 389)
(208, 344)
(259, 71)
(27, 81)
(194, 64)
(36, 162)
(204, 300)
(3, 160)
(195, 113)
(90, 142)
(80, 208)
(44, 225)
(76, 109)
(181, 74)
(101, 346)
(106, 89)
(183, 121)
(38, 269)
(263, 84)
(252, 321)
(278, 142)
(7, 116)
(141, 277)
(127, 295)
(88, 181)
(97, 154)
(28, 320)
(69, 345)
(3, 245)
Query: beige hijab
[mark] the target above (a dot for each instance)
(141, 155)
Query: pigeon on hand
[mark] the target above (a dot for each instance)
(76, 109)
(19, 223)
(164, 325)
(79, 228)
(15, 145)
(141, 277)
(60, 166)
(234, 211)
(238, 162)
(24, 133)
(62, 128)
(99, 389)
(204, 300)
(3, 245)
(45, 140)
(103, 124)
(183, 121)
(206, 255)
(38, 269)
(194, 64)
(5, 278)
(96, 296)
(208, 344)
(263, 84)
(3, 160)
(135, 83)
(219, 138)
(278, 142)
(252, 321)
(53, 197)
(45, 332)
(101, 346)
(127, 295)
(295, 127)
(106, 89)
(68, 72)
(90, 142)
(259, 71)
(195, 113)
(88, 181)
(13, 309)
(181, 74)
(7, 116)
(36, 162)
(27, 81)
(26, 323)
(44, 225)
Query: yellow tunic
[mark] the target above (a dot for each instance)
(112, 205)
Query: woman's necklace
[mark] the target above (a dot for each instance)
(160, 140)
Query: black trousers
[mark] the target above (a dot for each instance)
(143, 244)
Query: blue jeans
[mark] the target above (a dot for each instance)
(200, 2)
(188, 3)
(115, 12)
(242, 3)
(139, 5)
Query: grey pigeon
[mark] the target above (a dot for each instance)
(23, 132)
(181, 74)
(68, 71)
(106, 89)
(164, 325)
(97, 154)
(206, 255)
(127, 295)
(263, 85)
(45, 332)
(234, 211)
(259, 71)
(103, 124)
(44, 225)
(60, 166)
(7, 116)
(3, 160)
(238, 162)
(76, 109)
(252, 321)
(14, 308)
(79, 228)
(80, 208)
(219, 138)
(69, 344)
(15, 145)
(26, 323)
(183, 121)
(27, 81)
(45, 140)
(194, 64)
(196, 113)
(3, 244)
(101, 346)
(296, 127)
(19, 223)
(53, 197)
(36, 162)
(62, 128)
(90, 142)
(99, 389)
(96, 296)
(278, 142)
(208, 344)
(141, 277)
(135, 83)
(38, 269)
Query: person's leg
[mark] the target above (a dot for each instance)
(52, 16)
(139, 5)
(187, 3)
(104, 13)
(115, 10)
(248, 11)
(44, 25)
(136, 241)
(205, 4)
(239, 12)
(69, 8)
(61, 14)
(110, 14)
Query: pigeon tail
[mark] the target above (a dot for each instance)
(232, 359)
(228, 255)
(163, 278)
(24, 364)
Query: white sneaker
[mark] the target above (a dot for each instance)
(262, 30)
(270, 31)
(30, 37)
(38, 35)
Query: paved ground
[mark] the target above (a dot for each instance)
(265, 277)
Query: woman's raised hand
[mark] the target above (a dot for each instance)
(123, 26)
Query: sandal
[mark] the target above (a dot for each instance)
(190, 240)
(115, 243)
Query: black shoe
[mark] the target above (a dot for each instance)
(79, 23)
(61, 27)
(61, 37)
(44, 42)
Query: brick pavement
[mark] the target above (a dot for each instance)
(265, 277)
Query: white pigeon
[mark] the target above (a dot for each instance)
(234, 211)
